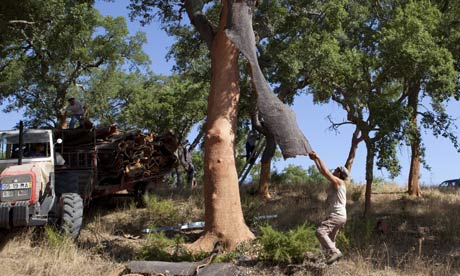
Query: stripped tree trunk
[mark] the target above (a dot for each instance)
(265, 172)
(414, 171)
(62, 123)
(355, 140)
(223, 213)
(369, 175)
(265, 178)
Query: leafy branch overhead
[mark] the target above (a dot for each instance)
(61, 50)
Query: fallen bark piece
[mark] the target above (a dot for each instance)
(166, 268)
(219, 269)
(182, 268)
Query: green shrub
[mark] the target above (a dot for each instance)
(244, 248)
(355, 196)
(360, 233)
(55, 238)
(342, 241)
(163, 210)
(159, 247)
(288, 247)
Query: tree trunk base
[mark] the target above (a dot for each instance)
(415, 194)
(265, 195)
(208, 240)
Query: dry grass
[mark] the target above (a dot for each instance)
(423, 233)
(20, 257)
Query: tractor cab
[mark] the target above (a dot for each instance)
(26, 177)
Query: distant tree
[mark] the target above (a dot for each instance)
(314, 175)
(419, 59)
(109, 94)
(51, 47)
(334, 49)
(294, 174)
(169, 103)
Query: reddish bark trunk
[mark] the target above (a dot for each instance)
(62, 121)
(414, 171)
(355, 140)
(369, 177)
(265, 175)
(223, 213)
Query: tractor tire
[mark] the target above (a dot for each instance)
(72, 214)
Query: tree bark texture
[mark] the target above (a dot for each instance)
(223, 213)
(265, 172)
(414, 171)
(369, 176)
(264, 182)
(278, 118)
(62, 120)
(355, 140)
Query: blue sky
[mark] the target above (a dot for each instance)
(332, 146)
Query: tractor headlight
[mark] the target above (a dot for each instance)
(7, 194)
(24, 192)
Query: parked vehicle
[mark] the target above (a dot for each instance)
(47, 177)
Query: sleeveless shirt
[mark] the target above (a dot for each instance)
(337, 200)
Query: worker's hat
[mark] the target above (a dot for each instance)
(343, 172)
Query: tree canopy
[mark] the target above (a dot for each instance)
(49, 47)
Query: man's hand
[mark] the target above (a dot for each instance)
(313, 155)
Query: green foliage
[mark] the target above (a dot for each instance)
(168, 103)
(55, 238)
(360, 233)
(61, 46)
(198, 164)
(162, 210)
(296, 175)
(159, 247)
(293, 175)
(288, 247)
(315, 176)
(108, 94)
(355, 196)
(244, 248)
(342, 241)
(363, 57)
(148, 102)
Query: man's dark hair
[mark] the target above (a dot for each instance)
(343, 172)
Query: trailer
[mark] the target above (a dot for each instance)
(75, 167)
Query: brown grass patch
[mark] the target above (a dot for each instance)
(423, 233)
(20, 257)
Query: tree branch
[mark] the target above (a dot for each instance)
(284, 92)
(335, 126)
(21, 22)
(194, 9)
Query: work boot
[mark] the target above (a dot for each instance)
(334, 257)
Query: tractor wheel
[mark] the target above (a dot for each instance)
(72, 214)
